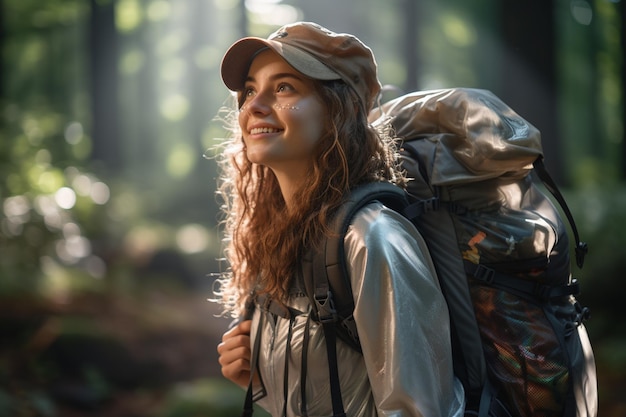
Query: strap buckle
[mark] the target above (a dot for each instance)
(326, 312)
(484, 274)
(416, 209)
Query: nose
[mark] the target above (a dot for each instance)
(260, 103)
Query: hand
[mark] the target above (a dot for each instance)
(235, 353)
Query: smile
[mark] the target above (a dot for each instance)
(258, 130)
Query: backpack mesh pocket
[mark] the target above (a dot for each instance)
(524, 354)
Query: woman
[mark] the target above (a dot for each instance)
(304, 141)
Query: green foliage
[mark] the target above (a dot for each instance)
(211, 397)
(46, 198)
(49, 197)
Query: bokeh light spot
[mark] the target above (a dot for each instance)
(581, 12)
(100, 193)
(180, 160)
(192, 238)
(175, 107)
(65, 197)
(128, 15)
(74, 133)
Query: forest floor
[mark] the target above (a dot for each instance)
(113, 356)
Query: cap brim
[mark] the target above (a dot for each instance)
(238, 58)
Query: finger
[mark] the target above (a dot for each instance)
(242, 328)
(238, 371)
(233, 343)
(246, 326)
(228, 357)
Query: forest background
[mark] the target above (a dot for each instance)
(109, 224)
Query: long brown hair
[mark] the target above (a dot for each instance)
(264, 240)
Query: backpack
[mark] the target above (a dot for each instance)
(498, 244)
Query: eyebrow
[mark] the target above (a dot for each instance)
(278, 76)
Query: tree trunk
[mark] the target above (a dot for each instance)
(529, 71)
(411, 52)
(242, 23)
(622, 6)
(103, 54)
(2, 38)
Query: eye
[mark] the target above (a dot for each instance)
(285, 88)
(248, 91)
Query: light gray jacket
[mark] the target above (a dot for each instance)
(402, 320)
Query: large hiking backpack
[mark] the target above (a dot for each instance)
(500, 249)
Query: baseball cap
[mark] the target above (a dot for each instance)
(312, 50)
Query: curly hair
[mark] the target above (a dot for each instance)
(264, 242)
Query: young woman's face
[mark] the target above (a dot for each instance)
(282, 116)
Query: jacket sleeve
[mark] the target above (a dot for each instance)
(401, 317)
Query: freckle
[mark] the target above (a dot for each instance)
(286, 107)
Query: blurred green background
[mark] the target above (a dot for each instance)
(109, 237)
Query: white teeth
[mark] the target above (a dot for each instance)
(258, 130)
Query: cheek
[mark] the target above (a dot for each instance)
(318, 133)
(241, 118)
(311, 131)
(311, 123)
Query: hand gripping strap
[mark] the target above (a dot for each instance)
(248, 409)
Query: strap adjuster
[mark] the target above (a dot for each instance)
(416, 209)
(326, 312)
(484, 274)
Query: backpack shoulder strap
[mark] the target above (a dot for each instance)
(543, 174)
(327, 282)
(326, 276)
